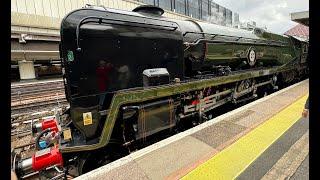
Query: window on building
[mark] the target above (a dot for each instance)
(228, 17)
(205, 10)
(180, 6)
(194, 8)
(222, 15)
(151, 2)
(236, 18)
(213, 12)
(214, 7)
(165, 4)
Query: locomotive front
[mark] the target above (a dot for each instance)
(104, 51)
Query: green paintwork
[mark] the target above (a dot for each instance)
(229, 53)
(141, 95)
(221, 54)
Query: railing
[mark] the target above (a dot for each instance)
(100, 20)
(244, 40)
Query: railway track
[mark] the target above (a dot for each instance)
(28, 98)
(27, 117)
(38, 106)
(32, 101)
(37, 83)
(18, 134)
(26, 89)
(39, 92)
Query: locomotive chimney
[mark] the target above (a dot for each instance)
(149, 9)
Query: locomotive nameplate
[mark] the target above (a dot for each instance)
(87, 118)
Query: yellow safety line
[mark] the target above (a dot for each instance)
(230, 162)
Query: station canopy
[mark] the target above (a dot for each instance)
(301, 30)
(301, 17)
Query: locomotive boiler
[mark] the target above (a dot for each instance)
(130, 75)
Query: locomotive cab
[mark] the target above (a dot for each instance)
(106, 51)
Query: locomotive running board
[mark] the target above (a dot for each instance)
(140, 95)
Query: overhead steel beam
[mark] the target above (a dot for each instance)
(30, 55)
(25, 36)
(301, 17)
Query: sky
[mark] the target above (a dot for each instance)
(274, 14)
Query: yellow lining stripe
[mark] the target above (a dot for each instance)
(230, 162)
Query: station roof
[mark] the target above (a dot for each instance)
(301, 17)
(299, 31)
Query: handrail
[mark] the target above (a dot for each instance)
(231, 42)
(109, 19)
(256, 41)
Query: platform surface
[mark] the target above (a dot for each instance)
(265, 139)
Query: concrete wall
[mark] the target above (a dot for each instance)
(26, 70)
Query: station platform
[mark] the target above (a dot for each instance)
(265, 139)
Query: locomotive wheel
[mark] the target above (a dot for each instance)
(243, 85)
(177, 128)
(92, 161)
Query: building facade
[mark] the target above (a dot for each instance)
(206, 10)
